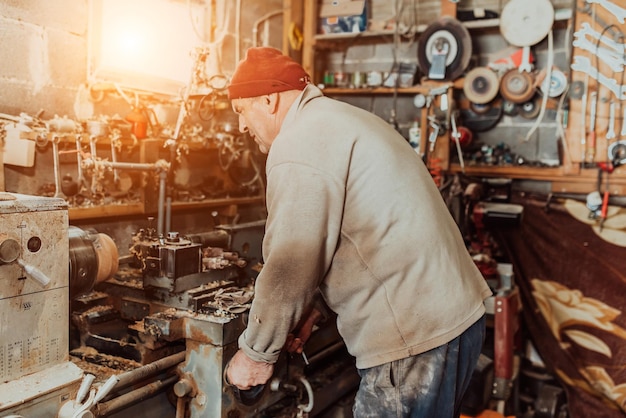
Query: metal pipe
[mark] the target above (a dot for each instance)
(126, 259)
(326, 352)
(128, 166)
(140, 373)
(116, 175)
(57, 169)
(79, 163)
(161, 203)
(265, 18)
(168, 214)
(180, 407)
(131, 398)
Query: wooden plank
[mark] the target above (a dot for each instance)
(2, 185)
(309, 29)
(293, 16)
(106, 211)
(448, 8)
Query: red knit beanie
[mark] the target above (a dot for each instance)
(266, 70)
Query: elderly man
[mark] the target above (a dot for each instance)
(354, 214)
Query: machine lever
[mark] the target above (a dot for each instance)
(246, 397)
(34, 273)
(249, 396)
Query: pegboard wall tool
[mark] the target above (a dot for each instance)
(614, 9)
(592, 126)
(610, 133)
(584, 65)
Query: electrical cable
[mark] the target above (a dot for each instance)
(544, 99)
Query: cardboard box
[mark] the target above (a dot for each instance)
(343, 16)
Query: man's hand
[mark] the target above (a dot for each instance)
(295, 342)
(246, 373)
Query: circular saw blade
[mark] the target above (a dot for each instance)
(450, 31)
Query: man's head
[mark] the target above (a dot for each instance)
(256, 88)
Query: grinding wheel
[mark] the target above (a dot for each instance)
(510, 108)
(524, 23)
(530, 109)
(481, 122)
(517, 87)
(480, 108)
(481, 85)
(555, 85)
(450, 32)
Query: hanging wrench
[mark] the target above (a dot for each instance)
(525, 65)
(583, 64)
(586, 29)
(610, 58)
(610, 133)
(614, 9)
(592, 126)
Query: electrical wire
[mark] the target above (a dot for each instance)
(544, 100)
(559, 126)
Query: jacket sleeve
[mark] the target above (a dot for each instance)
(305, 208)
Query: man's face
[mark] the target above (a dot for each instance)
(256, 118)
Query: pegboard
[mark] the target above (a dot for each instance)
(598, 80)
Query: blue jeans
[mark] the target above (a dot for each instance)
(428, 385)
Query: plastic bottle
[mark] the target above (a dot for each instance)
(415, 135)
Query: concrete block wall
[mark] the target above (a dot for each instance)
(43, 67)
(42, 55)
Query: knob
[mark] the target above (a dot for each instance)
(9, 250)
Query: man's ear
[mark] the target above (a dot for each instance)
(271, 101)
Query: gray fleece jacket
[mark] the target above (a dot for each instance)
(353, 211)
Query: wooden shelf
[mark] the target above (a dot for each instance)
(130, 209)
(376, 90)
(559, 16)
(106, 211)
(210, 203)
(423, 88)
(584, 181)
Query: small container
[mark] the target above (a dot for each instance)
(359, 80)
(374, 78)
(342, 79)
(329, 79)
(415, 134)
